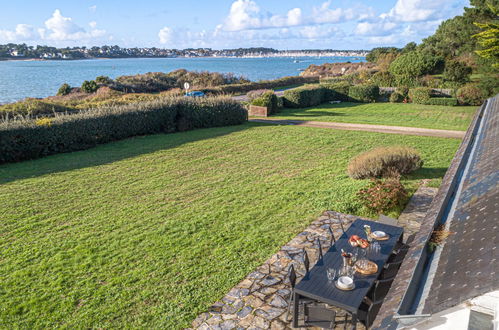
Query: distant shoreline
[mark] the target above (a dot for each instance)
(169, 57)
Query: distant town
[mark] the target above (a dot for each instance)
(23, 51)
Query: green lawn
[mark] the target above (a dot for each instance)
(394, 114)
(149, 231)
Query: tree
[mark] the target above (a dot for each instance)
(89, 86)
(65, 89)
(411, 46)
(415, 64)
(456, 71)
(489, 38)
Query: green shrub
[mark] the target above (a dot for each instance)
(267, 99)
(364, 93)
(251, 95)
(383, 79)
(24, 139)
(456, 71)
(470, 95)
(264, 84)
(381, 196)
(415, 64)
(89, 86)
(32, 107)
(384, 162)
(65, 89)
(104, 80)
(420, 95)
(448, 101)
(280, 103)
(336, 91)
(396, 97)
(303, 97)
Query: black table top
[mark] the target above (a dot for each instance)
(316, 284)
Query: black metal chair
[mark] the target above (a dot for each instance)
(333, 239)
(372, 302)
(319, 316)
(342, 228)
(292, 282)
(319, 246)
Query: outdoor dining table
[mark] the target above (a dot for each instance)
(315, 284)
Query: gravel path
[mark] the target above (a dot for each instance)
(367, 127)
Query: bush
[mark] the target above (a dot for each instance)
(396, 97)
(265, 84)
(336, 91)
(104, 80)
(25, 139)
(448, 101)
(267, 99)
(364, 93)
(420, 95)
(89, 86)
(257, 93)
(470, 95)
(381, 196)
(303, 97)
(415, 64)
(383, 79)
(384, 161)
(280, 103)
(456, 71)
(65, 89)
(32, 107)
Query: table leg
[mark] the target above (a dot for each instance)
(354, 321)
(296, 301)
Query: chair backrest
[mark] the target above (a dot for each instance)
(319, 246)
(306, 261)
(342, 228)
(333, 240)
(292, 276)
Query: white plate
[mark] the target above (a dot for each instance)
(379, 234)
(345, 282)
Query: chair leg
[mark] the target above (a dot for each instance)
(346, 321)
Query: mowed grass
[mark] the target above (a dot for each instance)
(393, 114)
(149, 231)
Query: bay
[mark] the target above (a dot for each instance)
(21, 79)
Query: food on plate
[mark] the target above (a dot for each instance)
(355, 240)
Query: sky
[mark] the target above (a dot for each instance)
(218, 24)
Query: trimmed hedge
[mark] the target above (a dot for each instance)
(336, 91)
(396, 97)
(364, 93)
(265, 84)
(304, 96)
(448, 101)
(29, 139)
(269, 100)
(384, 162)
(470, 95)
(420, 95)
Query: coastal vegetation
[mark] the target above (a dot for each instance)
(28, 139)
(126, 234)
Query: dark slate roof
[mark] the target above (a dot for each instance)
(468, 266)
(467, 202)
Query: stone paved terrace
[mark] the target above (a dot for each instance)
(260, 301)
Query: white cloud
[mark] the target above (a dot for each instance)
(62, 28)
(92, 8)
(416, 10)
(166, 35)
(21, 33)
(93, 24)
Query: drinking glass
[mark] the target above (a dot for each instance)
(331, 274)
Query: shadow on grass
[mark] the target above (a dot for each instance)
(111, 152)
(428, 173)
(317, 110)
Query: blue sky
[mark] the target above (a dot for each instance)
(282, 24)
